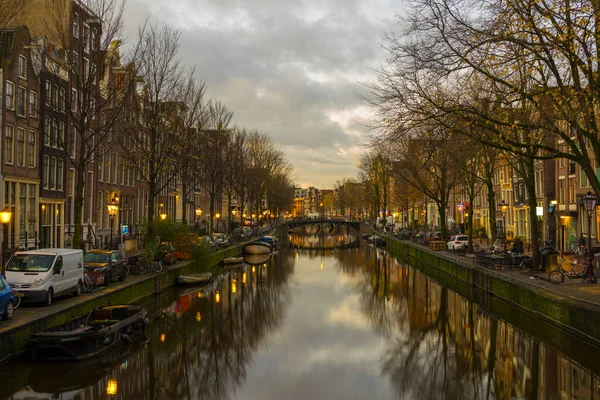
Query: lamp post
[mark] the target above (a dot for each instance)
(504, 209)
(217, 216)
(163, 216)
(589, 202)
(113, 208)
(233, 213)
(5, 216)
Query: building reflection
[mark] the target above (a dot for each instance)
(445, 346)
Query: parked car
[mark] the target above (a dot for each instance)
(456, 242)
(104, 266)
(166, 253)
(7, 300)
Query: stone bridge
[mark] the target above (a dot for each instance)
(322, 222)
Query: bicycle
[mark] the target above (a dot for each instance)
(88, 284)
(17, 298)
(558, 275)
(156, 266)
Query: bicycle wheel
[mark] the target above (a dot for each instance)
(17, 296)
(88, 285)
(556, 277)
(127, 269)
(156, 266)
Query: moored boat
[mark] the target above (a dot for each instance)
(272, 240)
(233, 260)
(90, 334)
(256, 259)
(195, 279)
(257, 248)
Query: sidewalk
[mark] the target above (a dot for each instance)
(575, 289)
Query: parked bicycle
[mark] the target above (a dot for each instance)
(578, 270)
(88, 284)
(17, 298)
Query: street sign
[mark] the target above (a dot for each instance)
(124, 229)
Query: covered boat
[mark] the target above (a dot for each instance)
(257, 248)
(90, 335)
(257, 259)
(195, 279)
(272, 240)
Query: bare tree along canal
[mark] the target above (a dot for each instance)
(327, 324)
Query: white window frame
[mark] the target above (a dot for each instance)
(76, 25)
(20, 90)
(22, 69)
(9, 149)
(10, 95)
(31, 144)
(33, 104)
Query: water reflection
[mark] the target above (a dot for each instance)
(317, 323)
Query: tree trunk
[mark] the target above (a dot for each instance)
(78, 242)
(491, 198)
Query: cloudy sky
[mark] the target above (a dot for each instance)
(290, 68)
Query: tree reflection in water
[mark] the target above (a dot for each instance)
(208, 359)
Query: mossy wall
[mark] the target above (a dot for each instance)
(578, 317)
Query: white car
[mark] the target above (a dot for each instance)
(456, 242)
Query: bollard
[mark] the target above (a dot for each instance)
(157, 285)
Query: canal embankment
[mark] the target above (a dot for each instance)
(574, 307)
(14, 334)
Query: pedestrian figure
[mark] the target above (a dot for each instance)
(518, 246)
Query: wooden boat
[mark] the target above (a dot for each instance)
(90, 335)
(233, 260)
(257, 248)
(195, 279)
(256, 259)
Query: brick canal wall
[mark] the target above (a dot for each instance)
(14, 341)
(577, 316)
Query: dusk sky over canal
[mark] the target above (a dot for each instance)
(289, 68)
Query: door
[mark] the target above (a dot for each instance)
(45, 237)
(58, 279)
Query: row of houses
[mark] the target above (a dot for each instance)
(560, 186)
(39, 149)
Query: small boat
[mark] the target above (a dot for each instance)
(90, 335)
(257, 259)
(233, 260)
(195, 279)
(268, 239)
(257, 248)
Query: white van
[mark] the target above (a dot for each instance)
(41, 275)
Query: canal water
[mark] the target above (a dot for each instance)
(319, 323)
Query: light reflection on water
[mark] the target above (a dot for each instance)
(323, 324)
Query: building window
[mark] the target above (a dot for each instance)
(101, 164)
(10, 95)
(114, 162)
(53, 133)
(74, 100)
(21, 100)
(32, 103)
(20, 147)
(572, 183)
(46, 171)
(55, 96)
(61, 135)
(32, 153)
(52, 173)
(48, 93)
(76, 25)
(86, 38)
(47, 129)
(8, 144)
(62, 99)
(75, 62)
(86, 70)
(59, 174)
(94, 38)
(22, 67)
(561, 191)
(73, 141)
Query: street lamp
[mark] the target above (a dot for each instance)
(198, 213)
(504, 209)
(5, 216)
(589, 202)
(163, 216)
(113, 208)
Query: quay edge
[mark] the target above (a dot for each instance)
(13, 342)
(490, 288)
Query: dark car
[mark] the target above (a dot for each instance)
(166, 253)
(7, 301)
(104, 266)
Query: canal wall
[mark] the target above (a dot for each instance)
(13, 341)
(578, 317)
